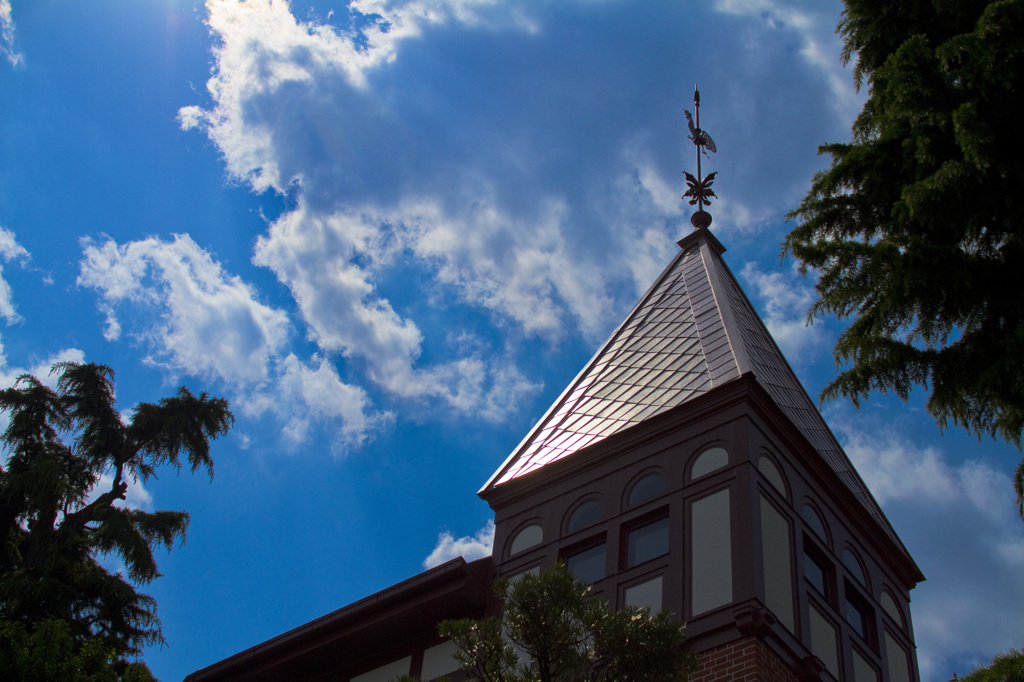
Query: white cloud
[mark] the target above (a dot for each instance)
(314, 256)
(894, 472)
(265, 51)
(815, 23)
(548, 220)
(10, 250)
(786, 297)
(647, 256)
(7, 48)
(201, 320)
(469, 548)
(330, 258)
(526, 272)
(734, 212)
(966, 537)
(322, 397)
(269, 66)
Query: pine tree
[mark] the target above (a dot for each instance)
(56, 522)
(916, 229)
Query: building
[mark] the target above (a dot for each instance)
(685, 467)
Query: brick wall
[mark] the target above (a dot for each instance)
(745, 660)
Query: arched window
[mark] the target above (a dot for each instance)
(528, 537)
(772, 473)
(814, 522)
(649, 486)
(586, 514)
(851, 562)
(710, 460)
(889, 606)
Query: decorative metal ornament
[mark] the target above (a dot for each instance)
(699, 189)
(699, 137)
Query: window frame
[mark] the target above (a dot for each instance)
(852, 597)
(820, 559)
(656, 516)
(567, 553)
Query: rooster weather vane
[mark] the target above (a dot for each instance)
(699, 188)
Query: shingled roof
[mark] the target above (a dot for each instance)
(693, 331)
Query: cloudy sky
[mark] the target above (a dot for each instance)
(390, 233)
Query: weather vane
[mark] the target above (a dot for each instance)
(699, 188)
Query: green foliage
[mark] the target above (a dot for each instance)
(917, 227)
(1008, 667)
(57, 520)
(565, 634)
(51, 653)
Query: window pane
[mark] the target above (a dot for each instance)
(851, 562)
(588, 565)
(648, 542)
(815, 574)
(647, 487)
(862, 670)
(708, 461)
(645, 594)
(814, 521)
(439, 660)
(711, 552)
(855, 617)
(772, 473)
(587, 514)
(386, 672)
(889, 606)
(823, 642)
(896, 655)
(859, 615)
(777, 559)
(528, 537)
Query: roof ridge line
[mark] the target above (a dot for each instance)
(739, 350)
(598, 355)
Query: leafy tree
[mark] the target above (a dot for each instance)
(917, 227)
(554, 630)
(58, 515)
(1008, 667)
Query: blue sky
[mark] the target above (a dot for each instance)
(390, 233)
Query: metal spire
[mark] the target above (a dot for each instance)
(699, 188)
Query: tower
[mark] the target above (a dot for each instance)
(686, 468)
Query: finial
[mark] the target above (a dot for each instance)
(699, 188)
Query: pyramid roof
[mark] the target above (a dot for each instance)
(693, 331)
